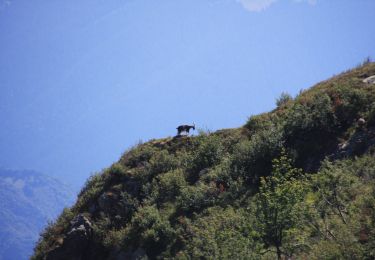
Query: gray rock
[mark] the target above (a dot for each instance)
(369, 80)
(80, 224)
(76, 241)
(358, 143)
(361, 122)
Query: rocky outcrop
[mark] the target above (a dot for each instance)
(369, 80)
(75, 243)
(358, 144)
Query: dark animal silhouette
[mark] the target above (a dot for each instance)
(184, 128)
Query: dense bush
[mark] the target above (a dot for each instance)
(219, 233)
(350, 104)
(252, 158)
(138, 155)
(150, 231)
(197, 197)
(317, 115)
(91, 191)
(168, 186)
(343, 208)
(371, 115)
(283, 99)
(208, 153)
(311, 130)
(53, 234)
(161, 162)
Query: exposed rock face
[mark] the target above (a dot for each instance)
(369, 80)
(360, 142)
(75, 243)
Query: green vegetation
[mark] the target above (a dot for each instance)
(279, 207)
(297, 182)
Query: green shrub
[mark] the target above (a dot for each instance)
(220, 173)
(100, 228)
(208, 153)
(127, 205)
(262, 121)
(220, 233)
(150, 230)
(98, 183)
(170, 185)
(195, 198)
(52, 234)
(91, 191)
(252, 158)
(283, 99)
(138, 155)
(350, 104)
(317, 115)
(230, 137)
(161, 162)
(114, 174)
(371, 115)
(342, 212)
(336, 186)
(311, 131)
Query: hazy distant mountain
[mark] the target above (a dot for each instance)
(28, 200)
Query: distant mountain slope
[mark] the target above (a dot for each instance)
(297, 182)
(28, 200)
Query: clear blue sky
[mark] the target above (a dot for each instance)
(82, 81)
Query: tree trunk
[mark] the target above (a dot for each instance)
(278, 251)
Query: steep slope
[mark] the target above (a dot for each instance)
(298, 181)
(28, 200)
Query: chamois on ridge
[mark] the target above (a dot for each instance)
(184, 128)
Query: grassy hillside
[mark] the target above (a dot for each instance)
(298, 182)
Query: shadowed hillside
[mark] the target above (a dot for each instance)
(297, 182)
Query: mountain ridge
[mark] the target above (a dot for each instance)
(294, 182)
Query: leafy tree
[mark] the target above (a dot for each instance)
(219, 233)
(279, 205)
(342, 209)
